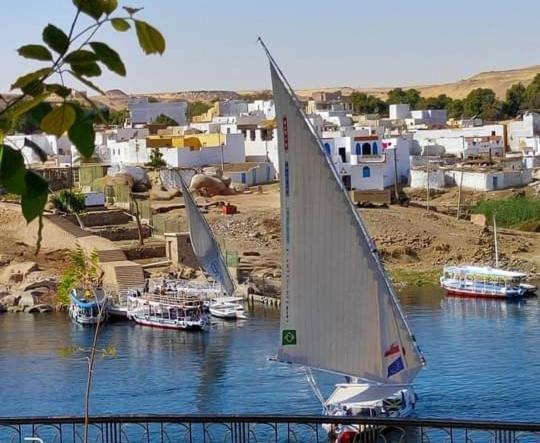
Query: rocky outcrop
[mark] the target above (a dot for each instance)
(15, 273)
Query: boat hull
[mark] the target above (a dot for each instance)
(181, 325)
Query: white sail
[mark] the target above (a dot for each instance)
(338, 310)
(204, 244)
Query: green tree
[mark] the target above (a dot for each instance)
(163, 119)
(532, 95)
(409, 96)
(156, 159)
(117, 117)
(367, 104)
(65, 56)
(515, 98)
(455, 108)
(197, 108)
(442, 101)
(483, 103)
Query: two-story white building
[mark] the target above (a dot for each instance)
(367, 162)
(142, 111)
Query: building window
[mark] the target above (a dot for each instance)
(252, 135)
(366, 172)
(358, 149)
(366, 149)
(327, 149)
(375, 148)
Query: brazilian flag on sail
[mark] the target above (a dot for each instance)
(288, 337)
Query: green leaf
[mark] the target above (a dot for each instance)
(120, 24)
(93, 8)
(80, 56)
(150, 39)
(59, 90)
(59, 120)
(36, 148)
(109, 57)
(12, 170)
(109, 6)
(86, 69)
(34, 199)
(55, 39)
(27, 79)
(34, 89)
(83, 136)
(87, 82)
(37, 113)
(36, 52)
(27, 105)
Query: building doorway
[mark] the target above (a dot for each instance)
(346, 182)
(495, 182)
(366, 149)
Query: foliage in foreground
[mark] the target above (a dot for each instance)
(511, 212)
(83, 272)
(64, 56)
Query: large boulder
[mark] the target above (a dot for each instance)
(16, 272)
(27, 300)
(208, 186)
(10, 300)
(160, 194)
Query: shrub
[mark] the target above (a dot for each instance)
(69, 201)
(510, 212)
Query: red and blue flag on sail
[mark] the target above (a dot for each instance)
(397, 365)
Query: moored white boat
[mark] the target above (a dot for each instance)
(339, 312)
(167, 311)
(484, 281)
(229, 308)
(88, 306)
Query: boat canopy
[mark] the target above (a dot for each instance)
(228, 299)
(86, 298)
(362, 393)
(485, 271)
(339, 312)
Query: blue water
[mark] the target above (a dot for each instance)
(482, 363)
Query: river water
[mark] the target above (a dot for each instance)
(482, 363)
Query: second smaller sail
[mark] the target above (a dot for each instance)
(204, 244)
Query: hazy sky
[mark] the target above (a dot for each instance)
(211, 43)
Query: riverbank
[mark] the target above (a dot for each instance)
(413, 244)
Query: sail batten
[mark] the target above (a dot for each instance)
(339, 311)
(204, 244)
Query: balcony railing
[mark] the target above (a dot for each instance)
(259, 428)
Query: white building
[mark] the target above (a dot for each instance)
(477, 179)
(366, 162)
(232, 107)
(399, 111)
(49, 144)
(142, 111)
(265, 107)
(464, 142)
(522, 134)
(137, 152)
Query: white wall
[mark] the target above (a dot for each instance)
(419, 179)
(399, 111)
(257, 175)
(529, 126)
(142, 111)
(477, 131)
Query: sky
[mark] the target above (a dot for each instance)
(211, 44)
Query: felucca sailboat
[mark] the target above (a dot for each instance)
(339, 312)
(211, 260)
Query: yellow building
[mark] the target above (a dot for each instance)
(195, 141)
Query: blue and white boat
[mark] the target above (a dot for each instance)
(485, 282)
(88, 306)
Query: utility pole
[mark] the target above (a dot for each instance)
(427, 172)
(222, 160)
(459, 193)
(396, 175)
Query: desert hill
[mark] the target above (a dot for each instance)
(499, 81)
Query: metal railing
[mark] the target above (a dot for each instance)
(259, 428)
